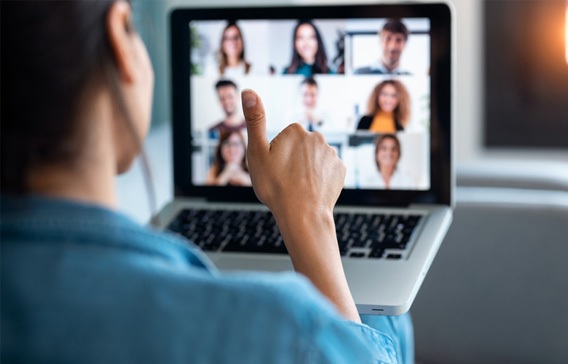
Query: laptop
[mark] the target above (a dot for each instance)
(378, 86)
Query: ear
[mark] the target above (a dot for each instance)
(119, 31)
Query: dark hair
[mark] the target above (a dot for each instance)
(310, 81)
(223, 63)
(397, 27)
(219, 163)
(402, 110)
(320, 65)
(55, 54)
(225, 83)
(380, 139)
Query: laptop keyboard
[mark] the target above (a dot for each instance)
(359, 235)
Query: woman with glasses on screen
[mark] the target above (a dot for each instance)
(83, 283)
(230, 165)
(232, 61)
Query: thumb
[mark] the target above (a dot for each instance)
(255, 120)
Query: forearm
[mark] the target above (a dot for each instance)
(299, 177)
(312, 244)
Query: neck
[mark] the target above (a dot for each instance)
(233, 61)
(88, 185)
(90, 178)
(390, 66)
(233, 119)
(309, 61)
(387, 173)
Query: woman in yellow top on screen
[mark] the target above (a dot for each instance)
(388, 110)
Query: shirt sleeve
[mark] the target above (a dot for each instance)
(349, 342)
(304, 325)
(399, 329)
(326, 336)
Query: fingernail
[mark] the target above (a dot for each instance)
(249, 98)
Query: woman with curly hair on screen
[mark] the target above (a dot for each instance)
(388, 108)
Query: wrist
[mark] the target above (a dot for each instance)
(311, 241)
(312, 226)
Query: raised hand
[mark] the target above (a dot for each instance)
(299, 177)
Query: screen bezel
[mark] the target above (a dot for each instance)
(441, 97)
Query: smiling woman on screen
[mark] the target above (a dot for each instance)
(388, 109)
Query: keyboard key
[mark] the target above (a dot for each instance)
(256, 231)
(377, 253)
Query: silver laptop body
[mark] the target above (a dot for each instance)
(381, 286)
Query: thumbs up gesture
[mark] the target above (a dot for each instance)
(298, 172)
(299, 177)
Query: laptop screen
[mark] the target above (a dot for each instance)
(364, 82)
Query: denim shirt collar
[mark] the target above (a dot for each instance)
(66, 220)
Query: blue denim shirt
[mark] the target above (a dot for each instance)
(83, 284)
